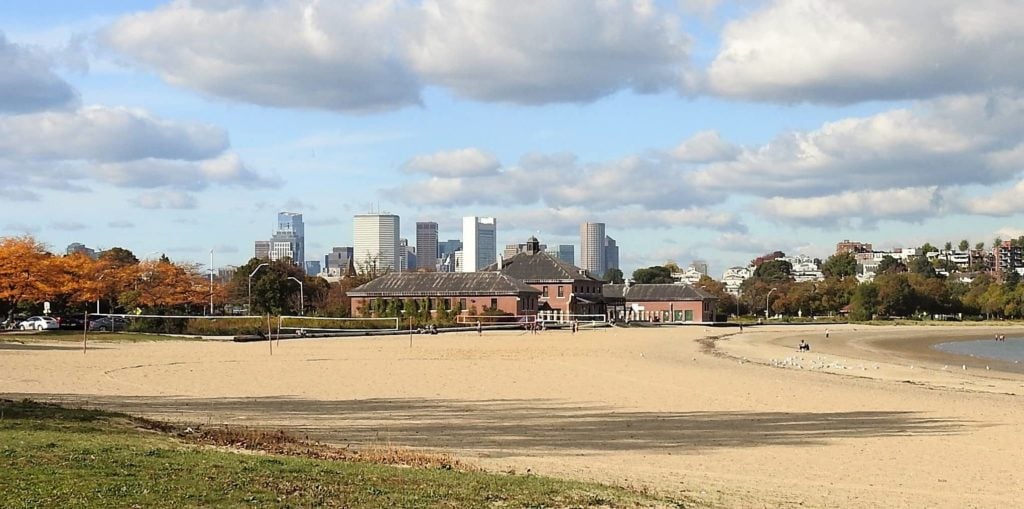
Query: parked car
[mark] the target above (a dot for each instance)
(70, 322)
(39, 323)
(108, 323)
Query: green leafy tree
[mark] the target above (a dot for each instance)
(653, 275)
(928, 248)
(890, 265)
(840, 265)
(614, 276)
(119, 257)
(964, 245)
(726, 301)
(272, 291)
(864, 304)
(774, 271)
(895, 295)
(921, 265)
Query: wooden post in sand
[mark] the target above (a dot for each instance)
(85, 332)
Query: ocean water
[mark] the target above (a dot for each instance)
(1011, 350)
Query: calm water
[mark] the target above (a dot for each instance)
(1011, 350)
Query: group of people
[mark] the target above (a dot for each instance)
(1000, 337)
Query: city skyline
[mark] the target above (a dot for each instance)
(123, 125)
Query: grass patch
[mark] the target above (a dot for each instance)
(52, 456)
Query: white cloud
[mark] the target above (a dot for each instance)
(705, 147)
(28, 83)
(465, 162)
(1006, 201)
(100, 133)
(850, 51)
(359, 55)
(121, 224)
(914, 204)
(542, 52)
(338, 55)
(67, 225)
(165, 200)
(951, 141)
(227, 169)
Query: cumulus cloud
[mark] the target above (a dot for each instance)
(842, 52)
(465, 162)
(705, 147)
(560, 180)
(542, 52)
(339, 55)
(226, 169)
(165, 199)
(951, 141)
(359, 55)
(100, 133)
(1005, 201)
(28, 83)
(907, 204)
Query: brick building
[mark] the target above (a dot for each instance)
(659, 303)
(469, 293)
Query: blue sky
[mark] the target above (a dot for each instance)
(695, 129)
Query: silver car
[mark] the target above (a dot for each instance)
(39, 323)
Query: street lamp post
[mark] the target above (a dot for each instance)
(211, 281)
(766, 297)
(302, 298)
(248, 306)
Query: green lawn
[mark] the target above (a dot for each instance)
(57, 457)
(76, 336)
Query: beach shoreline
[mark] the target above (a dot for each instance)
(643, 407)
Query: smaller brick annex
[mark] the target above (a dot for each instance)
(659, 302)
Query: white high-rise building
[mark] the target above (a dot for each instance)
(592, 249)
(479, 243)
(376, 243)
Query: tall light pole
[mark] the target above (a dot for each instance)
(766, 297)
(302, 298)
(211, 281)
(248, 307)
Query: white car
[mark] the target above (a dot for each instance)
(39, 323)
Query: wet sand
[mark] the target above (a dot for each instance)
(876, 425)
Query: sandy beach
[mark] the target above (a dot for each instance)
(870, 417)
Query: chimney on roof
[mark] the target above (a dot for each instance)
(501, 261)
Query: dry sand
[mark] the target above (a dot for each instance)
(857, 422)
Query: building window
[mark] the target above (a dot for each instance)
(462, 304)
(561, 291)
(544, 291)
(494, 303)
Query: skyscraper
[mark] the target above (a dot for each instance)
(375, 242)
(426, 245)
(564, 252)
(611, 254)
(479, 242)
(592, 249)
(262, 250)
(289, 241)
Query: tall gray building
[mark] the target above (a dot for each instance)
(592, 249)
(262, 250)
(564, 252)
(336, 262)
(289, 241)
(426, 245)
(611, 254)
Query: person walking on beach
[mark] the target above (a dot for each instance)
(479, 328)
(826, 333)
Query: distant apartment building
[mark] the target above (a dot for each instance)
(734, 277)
(479, 243)
(79, 248)
(376, 243)
(226, 273)
(803, 268)
(689, 276)
(262, 250)
(426, 245)
(564, 252)
(846, 246)
(592, 249)
(700, 266)
(611, 254)
(337, 261)
(1006, 257)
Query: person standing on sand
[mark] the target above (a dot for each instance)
(826, 333)
(479, 328)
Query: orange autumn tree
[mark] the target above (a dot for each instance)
(77, 278)
(27, 272)
(165, 284)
